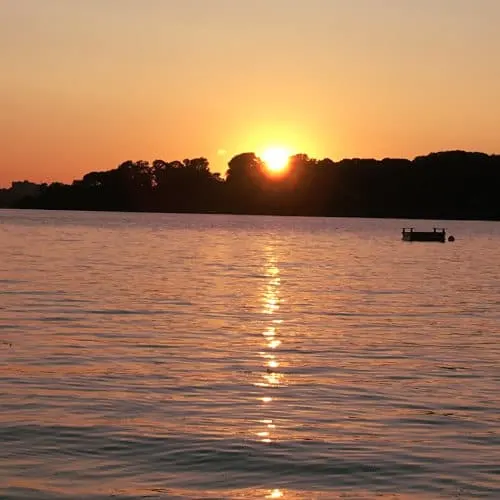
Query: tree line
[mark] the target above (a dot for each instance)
(444, 185)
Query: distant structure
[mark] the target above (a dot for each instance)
(17, 191)
(437, 234)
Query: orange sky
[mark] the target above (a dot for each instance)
(87, 85)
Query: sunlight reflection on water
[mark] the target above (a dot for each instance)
(272, 377)
(178, 356)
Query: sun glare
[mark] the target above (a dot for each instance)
(276, 159)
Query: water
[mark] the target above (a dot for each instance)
(186, 357)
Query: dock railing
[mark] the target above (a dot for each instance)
(437, 234)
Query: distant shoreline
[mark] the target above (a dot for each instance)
(451, 185)
(248, 214)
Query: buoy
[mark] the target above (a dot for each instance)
(451, 239)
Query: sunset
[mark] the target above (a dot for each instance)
(329, 78)
(249, 249)
(276, 159)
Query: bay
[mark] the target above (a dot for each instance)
(218, 356)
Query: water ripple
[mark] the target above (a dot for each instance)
(214, 357)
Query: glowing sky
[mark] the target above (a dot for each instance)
(87, 84)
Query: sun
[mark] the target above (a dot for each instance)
(276, 159)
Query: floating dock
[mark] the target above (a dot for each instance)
(437, 234)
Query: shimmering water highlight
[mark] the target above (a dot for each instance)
(224, 357)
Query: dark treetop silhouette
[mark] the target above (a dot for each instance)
(445, 185)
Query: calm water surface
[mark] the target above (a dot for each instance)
(196, 357)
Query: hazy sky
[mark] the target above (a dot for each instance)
(87, 84)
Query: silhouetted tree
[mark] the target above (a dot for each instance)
(450, 184)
